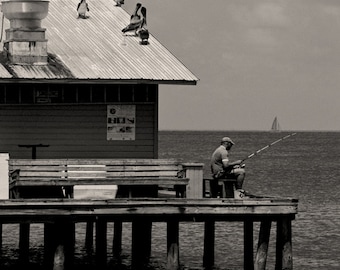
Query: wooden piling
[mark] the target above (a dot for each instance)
(101, 243)
(117, 237)
(24, 235)
(172, 245)
(284, 256)
(0, 237)
(263, 244)
(59, 258)
(248, 245)
(89, 235)
(209, 244)
(141, 243)
(60, 216)
(59, 240)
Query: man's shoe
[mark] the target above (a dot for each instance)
(246, 193)
(242, 194)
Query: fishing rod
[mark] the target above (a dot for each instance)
(267, 146)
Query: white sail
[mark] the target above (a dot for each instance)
(276, 125)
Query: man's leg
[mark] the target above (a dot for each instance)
(239, 175)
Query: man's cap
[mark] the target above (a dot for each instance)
(227, 139)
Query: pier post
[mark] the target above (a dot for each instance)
(48, 244)
(284, 256)
(209, 244)
(59, 241)
(117, 237)
(172, 245)
(24, 236)
(141, 243)
(89, 235)
(101, 243)
(262, 247)
(248, 245)
(0, 237)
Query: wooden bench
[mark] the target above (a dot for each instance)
(44, 178)
(224, 187)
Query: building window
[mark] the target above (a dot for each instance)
(13, 94)
(73, 93)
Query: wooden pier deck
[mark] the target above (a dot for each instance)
(60, 216)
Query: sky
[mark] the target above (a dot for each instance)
(255, 59)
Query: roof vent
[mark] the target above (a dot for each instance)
(25, 39)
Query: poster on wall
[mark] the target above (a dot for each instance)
(121, 122)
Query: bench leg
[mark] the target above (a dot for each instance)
(228, 189)
(180, 191)
(222, 189)
(14, 193)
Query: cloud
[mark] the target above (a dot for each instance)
(261, 37)
(255, 59)
(271, 14)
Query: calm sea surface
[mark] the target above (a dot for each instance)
(304, 166)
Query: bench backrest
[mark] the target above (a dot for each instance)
(95, 168)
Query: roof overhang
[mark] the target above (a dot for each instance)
(91, 51)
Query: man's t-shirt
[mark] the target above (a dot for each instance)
(216, 163)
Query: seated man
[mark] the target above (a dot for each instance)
(222, 168)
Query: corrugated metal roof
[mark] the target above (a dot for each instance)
(96, 49)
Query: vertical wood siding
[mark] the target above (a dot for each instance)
(74, 131)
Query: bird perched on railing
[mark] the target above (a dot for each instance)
(135, 21)
(142, 31)
(119, 3)
(82, 7)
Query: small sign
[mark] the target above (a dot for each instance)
(121, 122)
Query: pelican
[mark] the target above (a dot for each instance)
(135, 20)
(135, 17)
(82, 8)
(142, 31)
(119, 3)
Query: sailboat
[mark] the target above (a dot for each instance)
(276, 126)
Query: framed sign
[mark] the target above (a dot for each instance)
(121, 122)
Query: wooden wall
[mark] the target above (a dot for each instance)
(74, 131)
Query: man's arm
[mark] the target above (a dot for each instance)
(227, 165)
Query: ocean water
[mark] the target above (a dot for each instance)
(304, 166)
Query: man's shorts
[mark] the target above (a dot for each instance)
(234, 173)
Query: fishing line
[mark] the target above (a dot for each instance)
(267, 146)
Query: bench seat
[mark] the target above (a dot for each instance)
(27, 174)
(224, 187)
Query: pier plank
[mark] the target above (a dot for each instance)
(60, 215)
(156, 209)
